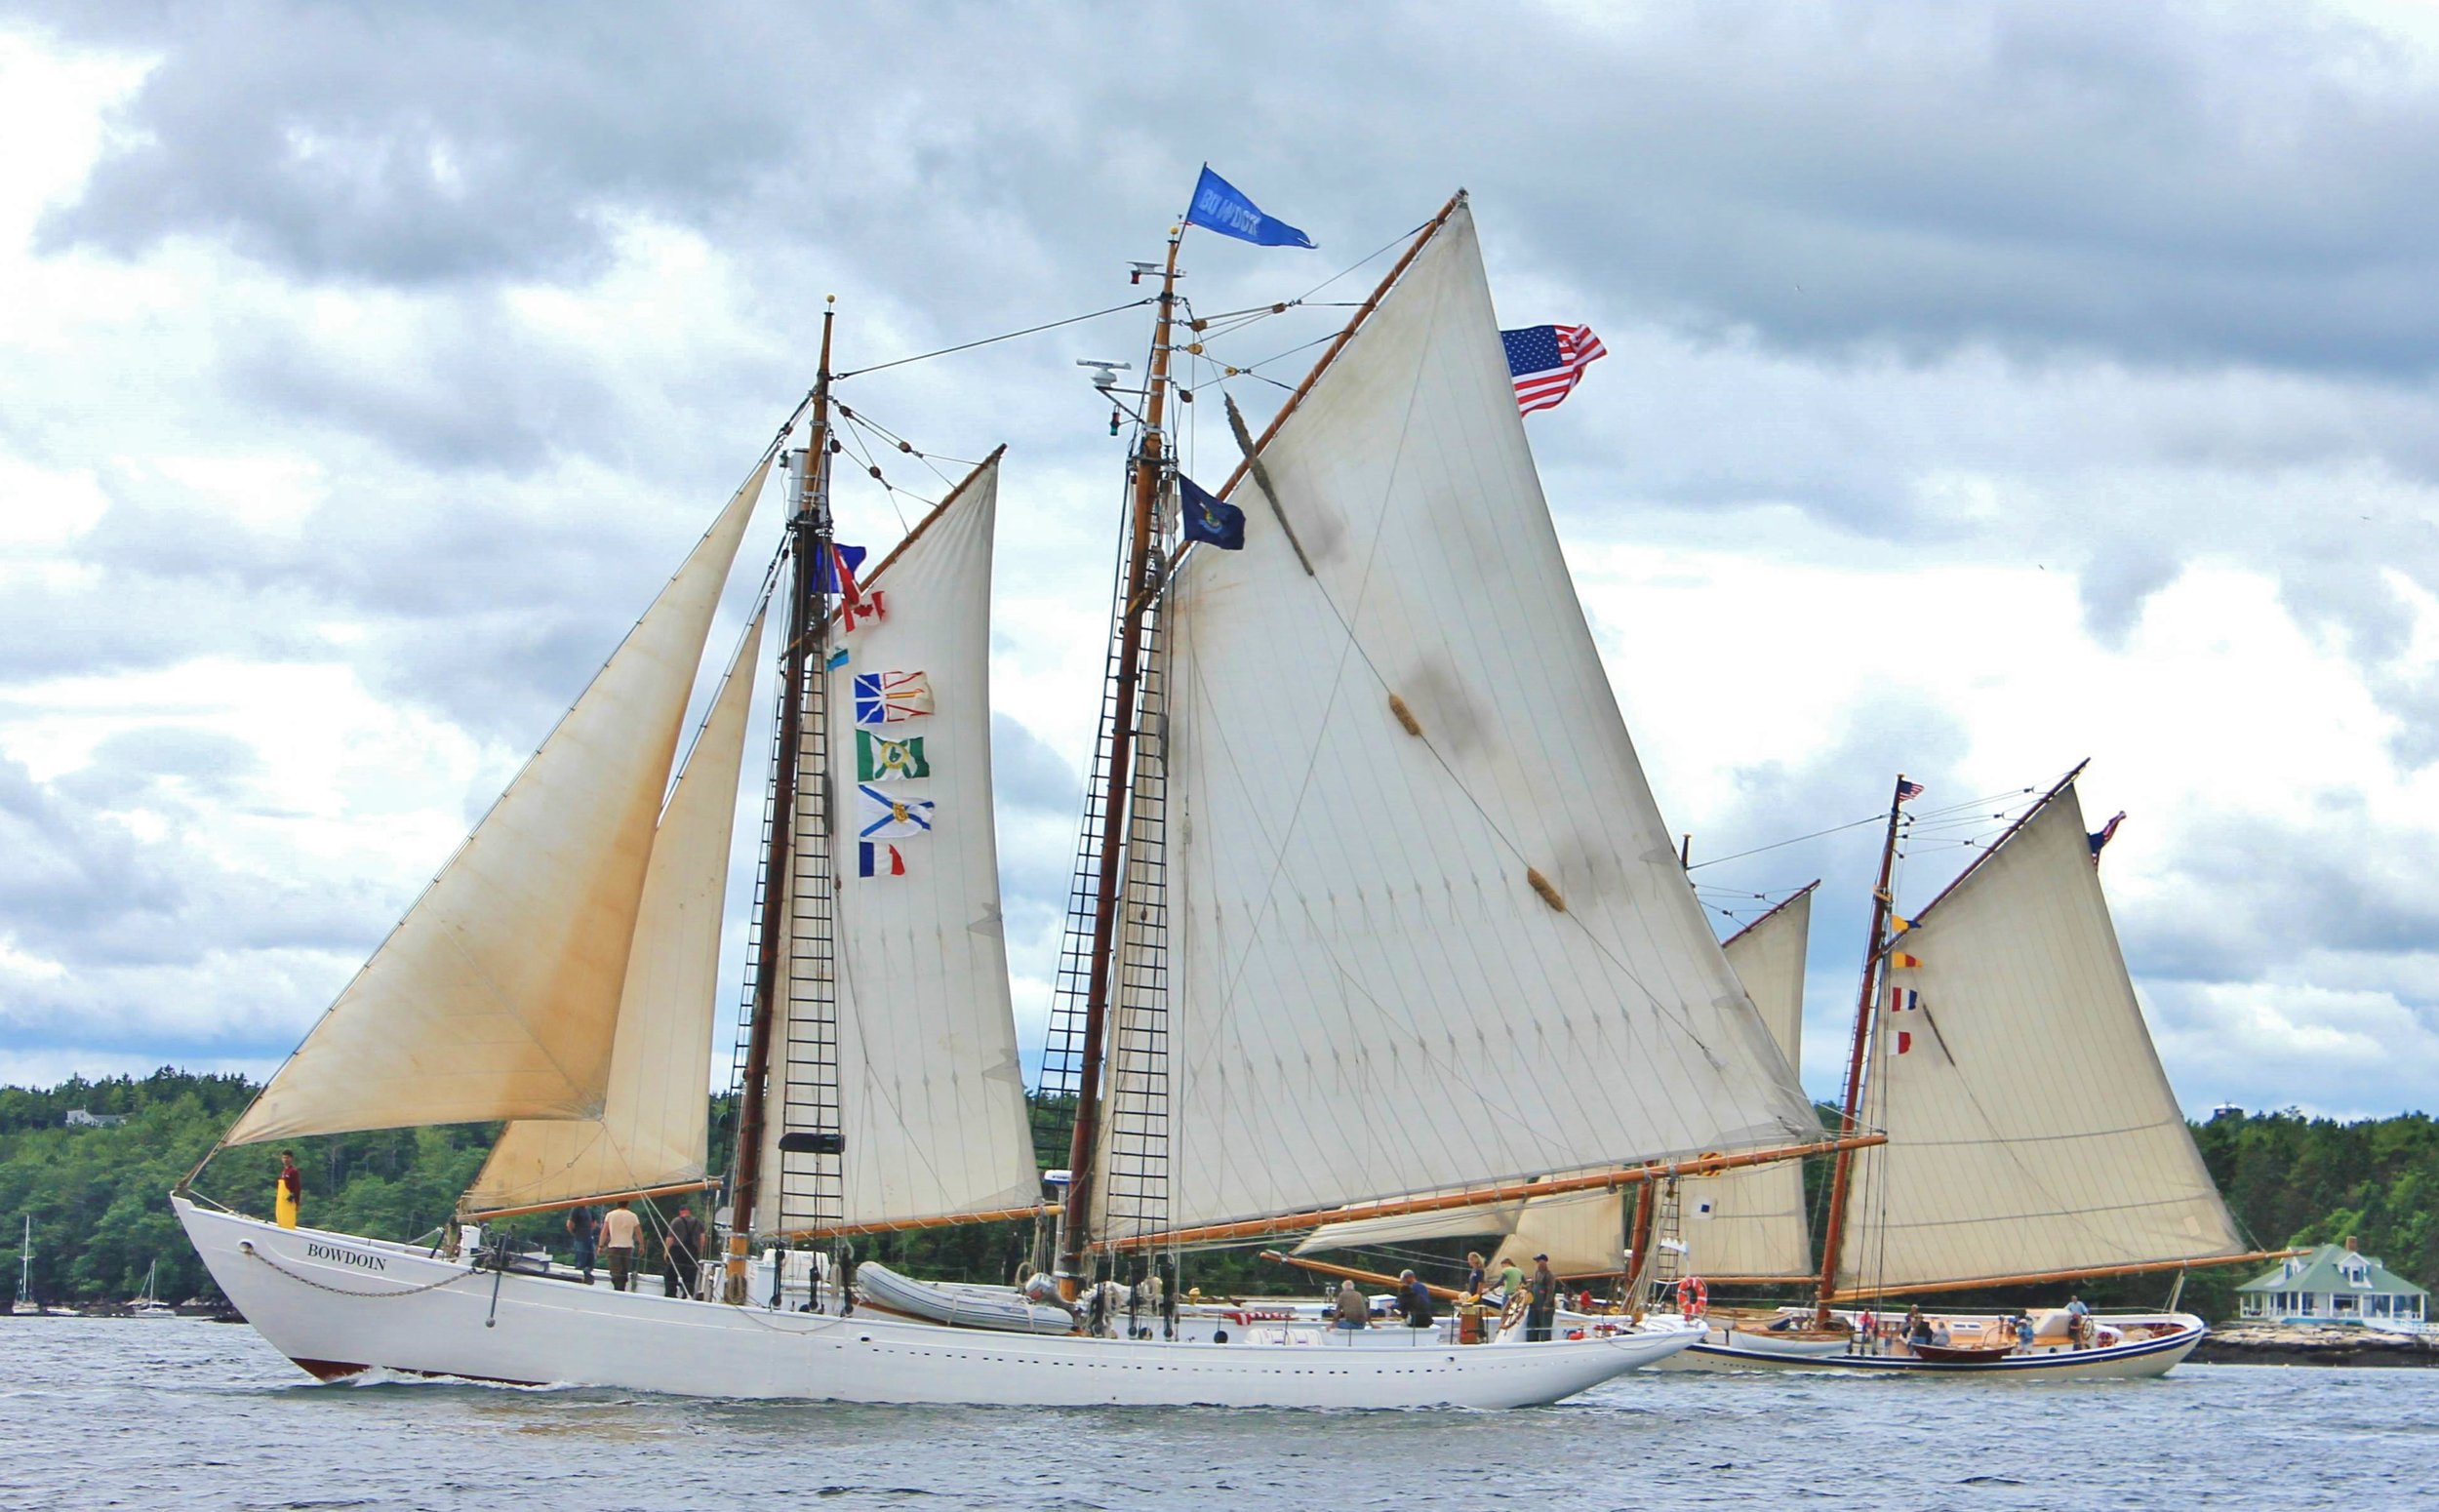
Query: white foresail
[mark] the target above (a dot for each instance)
(929, 1097)
(2030, 1127)
(1754, 1225)
(1405, 960)
(496, 996)
(655, 1119)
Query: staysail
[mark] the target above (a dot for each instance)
(1750, 1223)
(656, 1118)
(2030, 1127)
(496, 996)
(1745, 1223)
(1423, 908)
(925, 1090)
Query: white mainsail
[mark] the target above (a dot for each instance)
(496, 996)
(2030, 1127)
(1754, 1225)
(1402, 961)
(929, 1097)
(656, 1118)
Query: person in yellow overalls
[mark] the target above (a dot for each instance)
(289, 1194)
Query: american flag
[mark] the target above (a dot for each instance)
(1907, 791)
(1547, 361)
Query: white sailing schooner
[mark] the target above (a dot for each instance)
(1370, 763)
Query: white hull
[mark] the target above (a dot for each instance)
(338, 1305)
(2133, 1360)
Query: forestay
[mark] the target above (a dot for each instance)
(656, 1118)
(930, 1097)
(1372, 997)
(496, 996)
(2030, 1127)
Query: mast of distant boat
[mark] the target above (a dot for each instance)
(801, 658)
(1843, 1168)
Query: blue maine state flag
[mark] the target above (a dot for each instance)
(1218, 206)
(1209, 519)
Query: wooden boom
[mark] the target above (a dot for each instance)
(1513, 1191)
(941, 1221)
(486, 1215)
(2035, 1277)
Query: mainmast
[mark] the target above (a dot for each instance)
(801, 658)
(1135, 601)
(1882, 907)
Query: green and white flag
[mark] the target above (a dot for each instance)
(879, 759)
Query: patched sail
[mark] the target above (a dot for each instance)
(496, 996)
(2030, 1127)
(654, 1122)
(1748, 1222)
(1428, 927)
(926, 1094)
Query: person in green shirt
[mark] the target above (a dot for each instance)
(1510, 1277)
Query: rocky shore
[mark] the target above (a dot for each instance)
(2254, 1343)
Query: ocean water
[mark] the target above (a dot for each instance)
(115, 1413)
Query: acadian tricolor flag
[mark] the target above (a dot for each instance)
(890, 697)
(879, 861)
(879, 759)
(886, 817)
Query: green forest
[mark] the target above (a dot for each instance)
(98, 1196)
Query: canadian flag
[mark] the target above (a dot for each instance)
(1905, 1041)
(872, 608)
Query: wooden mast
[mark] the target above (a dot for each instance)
(808, 530)
(1145, 571)
(1833, 1225)
(1143, 560)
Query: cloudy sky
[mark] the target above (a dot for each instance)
(1989, 387)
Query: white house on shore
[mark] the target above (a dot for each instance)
(2333, 1284)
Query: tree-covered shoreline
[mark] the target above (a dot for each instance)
(99, 1204)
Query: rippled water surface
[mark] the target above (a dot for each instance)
(110, 1414)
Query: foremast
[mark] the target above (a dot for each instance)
(802, 658)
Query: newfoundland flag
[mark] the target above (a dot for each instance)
(1218, 206)
(1212, 521)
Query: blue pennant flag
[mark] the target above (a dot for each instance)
(1218, 206)
(1208, 519)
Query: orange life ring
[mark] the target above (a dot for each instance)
(1692, 1297)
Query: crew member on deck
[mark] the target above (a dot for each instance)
(621, 1234)
(682, 1256)
(1354, 1310)
(1413, 1300)
(1544, 1309)
(289, 1195)
(584, 1226)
